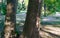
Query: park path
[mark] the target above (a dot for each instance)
(50, 32)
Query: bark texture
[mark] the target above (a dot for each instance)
(10, 19)
(32, 23)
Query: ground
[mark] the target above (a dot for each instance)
(50, 32)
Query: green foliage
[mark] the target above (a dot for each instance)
(57, 5)
(3, 9)
(20, 7)
(51, 6)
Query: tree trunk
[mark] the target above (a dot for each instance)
(32, 23)
(10, 19)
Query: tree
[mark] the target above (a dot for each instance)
(32, 23)
(10, 19)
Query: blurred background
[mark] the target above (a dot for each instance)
(50, 13)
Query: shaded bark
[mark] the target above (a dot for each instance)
(10, 19)
(32, 23)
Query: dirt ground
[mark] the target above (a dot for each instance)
(50, 31)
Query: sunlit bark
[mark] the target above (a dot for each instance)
(10, 19)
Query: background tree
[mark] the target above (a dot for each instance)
(10, 19)
(32, 23)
